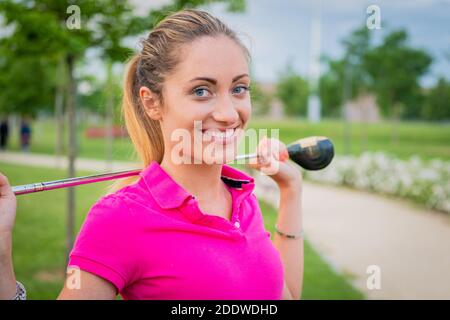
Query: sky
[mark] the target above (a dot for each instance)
(279, 32)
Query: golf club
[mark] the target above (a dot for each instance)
(312, 153)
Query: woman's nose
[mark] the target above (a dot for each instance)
(225, 111)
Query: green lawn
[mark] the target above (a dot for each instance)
(39, 239)
(424, 139)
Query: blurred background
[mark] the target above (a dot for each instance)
(374, 77)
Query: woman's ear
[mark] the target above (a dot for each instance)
(151, 103)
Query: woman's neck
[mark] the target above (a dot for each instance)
(201, 180)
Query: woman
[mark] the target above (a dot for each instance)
(190, 226)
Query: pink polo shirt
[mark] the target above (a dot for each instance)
(152, 241)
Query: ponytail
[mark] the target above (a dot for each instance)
(144, 132)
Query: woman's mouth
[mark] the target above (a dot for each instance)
(222, 136)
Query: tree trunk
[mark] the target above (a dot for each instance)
(12, 122)
(347, 97)
(109, 117)
(363, 129)
(394, 123)
(72, 150)
(59, 112)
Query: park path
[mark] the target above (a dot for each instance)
(50, 161)
(351, 229)
(355, 229)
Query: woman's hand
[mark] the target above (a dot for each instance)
(8, 206)
(272, 160)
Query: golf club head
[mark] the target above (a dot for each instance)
(312, 153)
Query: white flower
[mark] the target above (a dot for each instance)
(427, 182)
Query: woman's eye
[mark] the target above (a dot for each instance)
(243, 89)
(200, 92)
(203, 92)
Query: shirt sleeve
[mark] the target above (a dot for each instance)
(104, 245)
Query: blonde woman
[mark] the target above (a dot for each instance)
(185, 229)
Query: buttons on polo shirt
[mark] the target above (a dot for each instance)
(237, 224)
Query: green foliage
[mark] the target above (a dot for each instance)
(437, 103)
(157, 15)
(395, 69)
(293, 92)
(345, 78)
(331, 88)
(26, 64)
(38, 38)
(260, 100)
(96, 97)
(352, 70)
(33, 84)
(390, 70)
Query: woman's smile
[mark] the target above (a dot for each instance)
(220, 135)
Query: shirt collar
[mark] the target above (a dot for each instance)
(169, 194)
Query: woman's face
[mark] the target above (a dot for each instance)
(206, 102)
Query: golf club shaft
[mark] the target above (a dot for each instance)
(312, 153)
(72, 182)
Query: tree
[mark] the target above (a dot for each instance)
(331, 88)
(346, 78)
(27, 77)
(395, 69)
(293, 91)
(260, 100)
(33, 84)
(437, 102)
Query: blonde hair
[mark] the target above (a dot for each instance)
(159, 56)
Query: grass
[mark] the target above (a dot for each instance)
(39, 239)
(39, 235)
(43, 141)
(427, 140)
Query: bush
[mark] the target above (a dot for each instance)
(423, 182)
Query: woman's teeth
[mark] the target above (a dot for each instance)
(219, 135)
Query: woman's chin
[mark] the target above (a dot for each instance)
(219, 155)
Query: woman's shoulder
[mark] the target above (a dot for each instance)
(107, 207)
(124, 202)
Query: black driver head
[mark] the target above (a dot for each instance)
(313, 153)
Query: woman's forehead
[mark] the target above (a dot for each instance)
(218, 57)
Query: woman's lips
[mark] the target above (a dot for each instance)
(222, 136)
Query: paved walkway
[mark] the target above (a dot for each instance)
(352, 230)
(49, 161)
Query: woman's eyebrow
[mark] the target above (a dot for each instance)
(214, 81)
